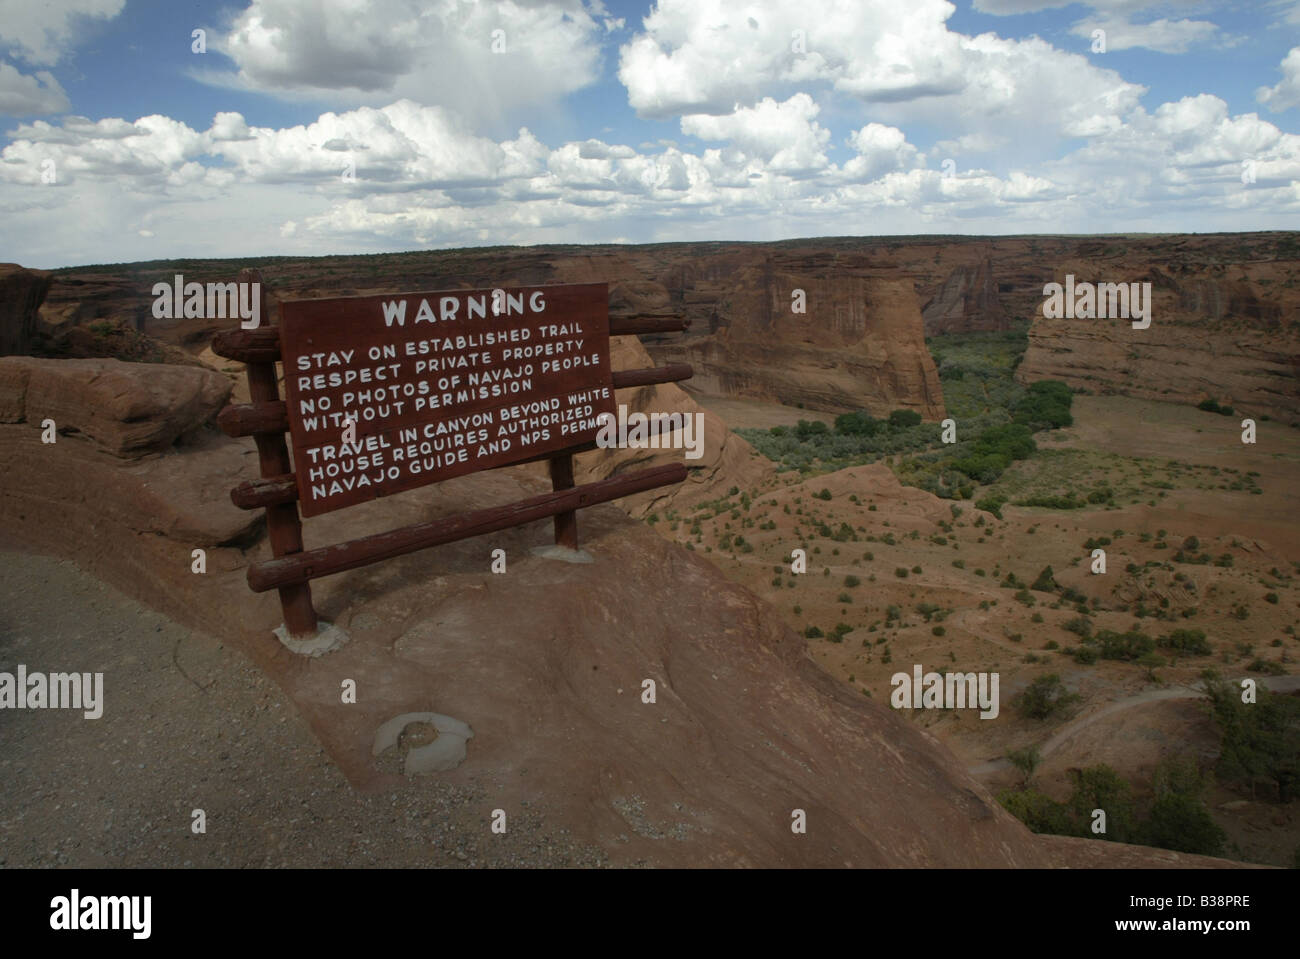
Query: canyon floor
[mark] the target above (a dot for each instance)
(1177, 471)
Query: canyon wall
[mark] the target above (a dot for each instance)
(1224, 322)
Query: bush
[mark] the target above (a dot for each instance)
(904, 419)
(1127, 646)
(1080, 626)
(857, 424)
(992, 504)
(1045, 405)
(1212, 406)
(1258, 740)
(901, 572)
(1182, 823)
(1045, 583)
(1040, 813)
(812, 632)
(1046, 696)
(1190, 642)
(824, 494)
(1100, 787)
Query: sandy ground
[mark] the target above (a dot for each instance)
(1126, 719)
(189, 724)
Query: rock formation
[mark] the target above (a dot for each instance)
(967, 302)
(126, 409)
(21, 294)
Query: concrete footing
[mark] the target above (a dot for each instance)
(327, 639)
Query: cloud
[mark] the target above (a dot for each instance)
(479, 57)
(1163, 36)
(424, 178)
(785, 136)
(704, 57)
(42, 31)
(26, 96)
(1286, 93)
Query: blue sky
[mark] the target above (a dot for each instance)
(372, 125)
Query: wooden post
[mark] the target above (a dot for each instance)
(284, 528)
(566, 524)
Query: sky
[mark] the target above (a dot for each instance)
(160, 129)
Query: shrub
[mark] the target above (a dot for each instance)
(1045, 583)
(1045, 405)
(812, 632)
(1080, 626)
(1040, 813)
(903, 419)
(1182, 823)
(991, 504)
(1127, 646)
(1046, 696)
(1259, 740)
(1190, 642)
(857, 424)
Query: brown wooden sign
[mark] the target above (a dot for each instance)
(526, 365)
(439, 384)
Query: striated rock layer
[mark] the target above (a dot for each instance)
(1225, 308)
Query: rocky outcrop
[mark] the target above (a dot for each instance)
(1175, 360)
(21, 294)
(966, 303)
(126, 409)
(858, 345)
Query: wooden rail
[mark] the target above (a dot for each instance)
(312, 564)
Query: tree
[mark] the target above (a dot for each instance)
(1027, 760)
(1100, 787)
(902, 419)
(1044, 697)
(1183, 824)
(1045, 583)
(1259, 740)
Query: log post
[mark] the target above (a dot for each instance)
(566, 524)
(283, 526)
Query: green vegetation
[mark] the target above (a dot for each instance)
(1259, 740)
(1177, 818)
(1044, 698)
(996, 420)
(1212, 406)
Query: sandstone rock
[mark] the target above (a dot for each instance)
(860, 345)
(127, 409)
(21, 294)
(967, 302)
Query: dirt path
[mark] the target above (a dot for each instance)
(1069, 730)
(189, 724)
